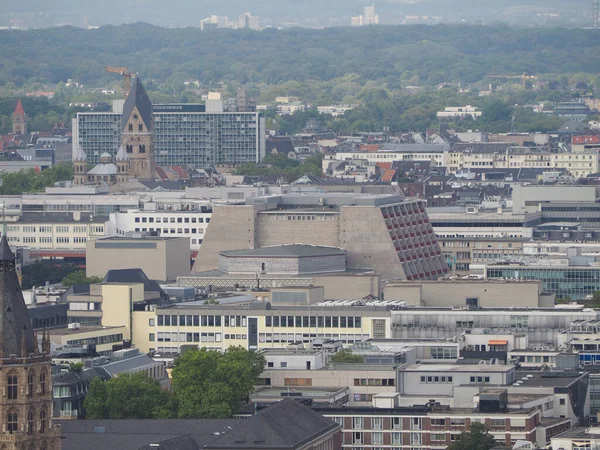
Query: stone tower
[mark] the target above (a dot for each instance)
(122, 163)
(138, 133)
(19, 119)
(79, 167)
(25, 376)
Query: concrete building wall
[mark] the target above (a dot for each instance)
(117, 304)
(142, 332)
(343, 287)
(274, 231)
(231, 228)
(161, 260)
(528, 198)
(366, 237)
(454, 293)
(293, 266)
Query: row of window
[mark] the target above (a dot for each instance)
(173, 320)
(309, 337)
(48, 228)
(173, 230)
(437, 379)
(313, 321)
(172, 219)
(374, 382)
(47, 239)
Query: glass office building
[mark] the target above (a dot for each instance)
(183, 134)
(575, 282)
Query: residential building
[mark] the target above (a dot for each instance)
(161, 258)
(389, 234)
(27, 401)
(459, 112)
(184, 134)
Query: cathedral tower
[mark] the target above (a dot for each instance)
(122, 163)
(19, 119)
(25, 375)
(138, 133)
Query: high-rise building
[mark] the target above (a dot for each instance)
(247, 20)
(368, 18)
(25, 380)
(19, 119)
(183, 134)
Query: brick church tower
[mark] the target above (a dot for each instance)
(138, 133)
(19, 119)
(25, 377)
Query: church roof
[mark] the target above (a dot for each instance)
(14, 321)
(19, 110)
(79, 154)
(104, 169)
(138, 97)
(121, 154)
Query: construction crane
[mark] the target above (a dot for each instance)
(524, 77)
(127, 74)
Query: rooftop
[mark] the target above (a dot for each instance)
(456, 368)
(547, 379)
(285, 251)
(69, 331)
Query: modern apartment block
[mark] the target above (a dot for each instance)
(389, 234)
(183, 134)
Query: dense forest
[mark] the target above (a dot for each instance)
(389, 54)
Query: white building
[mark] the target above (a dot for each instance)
(459, 112)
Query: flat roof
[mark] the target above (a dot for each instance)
(580, 433)
(546, 379)
(435, 367)
(285, 251)
(88, 329)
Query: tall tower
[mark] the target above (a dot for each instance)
(19, 119)
(122, 163)
(138, 133)
(79, 167)
(25, 376)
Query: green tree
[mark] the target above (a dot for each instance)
(477, 438)
(79, 277)
(39, 272)
(29, 180)
(76, 367)
(208, 384)
(345, 356)
(595, 302)
(128, 396)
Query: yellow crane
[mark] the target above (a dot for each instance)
(524, 77)
(127, 74)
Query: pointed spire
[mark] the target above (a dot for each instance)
(79, 154)
(121, 154)
(19, 110)
(6, 253)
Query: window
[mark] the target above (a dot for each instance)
(12, 387)
(30, 421)
(12, 422)
(396, 438)
(397, 423)
(30, 380)
(151, 322)
(438, 422)
(358, 423)
(43, 383)
(151, 337)
(561, 401)
(377, 438)
(497, 423)
(43, 420)
(377, 423)
(142, 148)
(438, 437)
(415, 438)
(357, 438)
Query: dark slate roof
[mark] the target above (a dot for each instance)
(14, 320)
(139, 434)
(132, 276)
(178, 443)
(285, 251)
(284, 425)
(138, 97)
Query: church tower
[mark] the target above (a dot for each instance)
(25, 375)
(19, 119)
(138, 133)
(122, 163)
(79, 167)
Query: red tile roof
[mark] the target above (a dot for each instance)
(384, 165)
(589, 139)
(19, 111)
(369, 147)
(388, 176)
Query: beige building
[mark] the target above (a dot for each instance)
(104, 338)
(161, 258)
(470, 293)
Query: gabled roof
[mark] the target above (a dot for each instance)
(138, 98)
(121, 154)
(284, 425)
(19, 110)
(79, 154)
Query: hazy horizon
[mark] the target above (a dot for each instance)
(309, 13)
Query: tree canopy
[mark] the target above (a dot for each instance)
(280, 166)
(345, 356)
(29, 180)
(79, 277)
(210, 385)
(477, 438)
(128, 396)
(39, 272)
